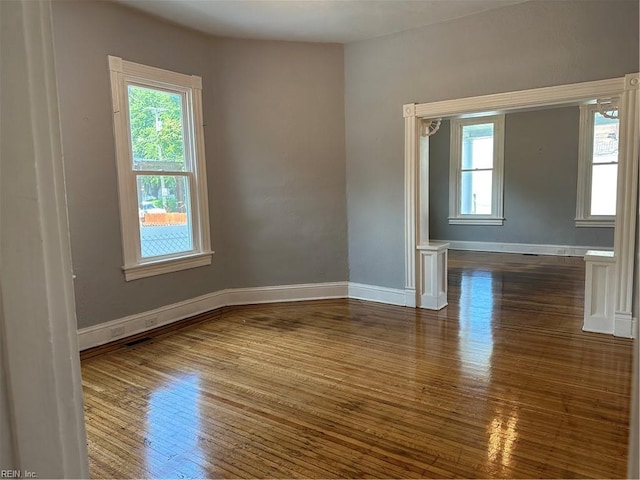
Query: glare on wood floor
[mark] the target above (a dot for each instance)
(501, 383)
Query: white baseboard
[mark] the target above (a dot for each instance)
(286, 293)
(598, 325)
(410, 297)
(392, 296)
(525, 248)
(133, 324)
(624, 325)
(140, 322)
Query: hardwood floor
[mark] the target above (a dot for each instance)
(501, 383)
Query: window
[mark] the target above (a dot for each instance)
(597, 168)
(161, 169)
(476, 171)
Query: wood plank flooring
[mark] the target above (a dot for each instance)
(501, 383)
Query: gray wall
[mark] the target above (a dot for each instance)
(7, 460)
(540, 184)
(8, 14)
(280, 108)
(274, 138)
(275, 135)
(528, 45)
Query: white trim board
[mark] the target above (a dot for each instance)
(624, 325)
(97, 335)
(140, 322)
(372, 293)
(524, 248)
(285, 293)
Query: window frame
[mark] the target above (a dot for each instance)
(585, 171)
(497, 177)
(122, 74)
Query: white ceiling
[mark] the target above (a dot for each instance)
(339, 21)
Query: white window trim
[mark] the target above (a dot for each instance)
(455, 162)
(585, 164)
(121, 72)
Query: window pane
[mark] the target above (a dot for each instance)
(604, 180)
(475, 193)
(164, 207)
(605, 139)
(477, 146)
(157, 139)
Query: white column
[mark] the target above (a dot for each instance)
(422, 215)
(425, 262)
(38, 324)
(624, 242)
(410, 163)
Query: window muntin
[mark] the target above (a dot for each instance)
(476, 177)
(161, 169)
(597, 168)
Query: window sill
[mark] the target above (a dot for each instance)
(159, 267)
(476, 221)
(596, 222)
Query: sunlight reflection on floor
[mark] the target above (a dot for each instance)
(476, 330)
(173, 423)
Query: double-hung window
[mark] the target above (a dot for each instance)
(162, 187)
(476, 171)
(597, 167)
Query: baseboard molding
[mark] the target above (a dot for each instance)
(140, 322)
(523, 248)
(97, 335)
(391, 296)
(134, 324)
(286, 293)
(624, 325)
(599, 325)
(410, 297)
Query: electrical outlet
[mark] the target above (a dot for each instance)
(117, 332)
(151, 322)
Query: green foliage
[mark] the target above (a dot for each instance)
(156, 125)
(150, 189)
(155, 119)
